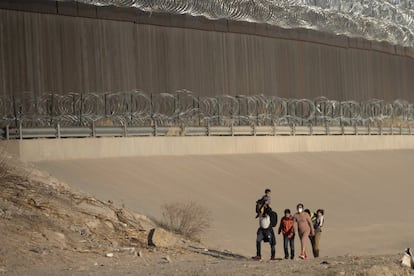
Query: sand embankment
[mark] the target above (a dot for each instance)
(367, 195)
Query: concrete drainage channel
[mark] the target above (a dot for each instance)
(8, 133)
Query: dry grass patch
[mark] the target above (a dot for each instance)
(189, 219)
(3, 163)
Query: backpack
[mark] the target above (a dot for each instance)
(273, 218)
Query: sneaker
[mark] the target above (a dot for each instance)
(303, 257)
(272, 258)
(257, 258)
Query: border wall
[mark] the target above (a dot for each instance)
(63, 47)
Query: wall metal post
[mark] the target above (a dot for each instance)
(152, 109)
(93, 129)
(20, 131)
(15, 111)
(106, 105)
(52, 107)
(80, 109)
(199, 111)
(58, 130)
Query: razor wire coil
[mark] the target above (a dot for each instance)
(380, 20)
(184, 108)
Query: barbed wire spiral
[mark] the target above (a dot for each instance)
(380, 20)
(184, 108)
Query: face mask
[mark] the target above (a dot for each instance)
(300, 210)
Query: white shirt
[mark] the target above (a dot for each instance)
(264, 222)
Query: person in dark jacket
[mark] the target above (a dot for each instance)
(265, 233)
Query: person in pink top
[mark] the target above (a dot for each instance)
(304, 226)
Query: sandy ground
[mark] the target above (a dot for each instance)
(367, 196)
(47, 228)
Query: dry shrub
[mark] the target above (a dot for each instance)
(185, 218)
(4, 168)
(11, 168)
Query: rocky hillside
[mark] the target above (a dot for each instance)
(44, 224)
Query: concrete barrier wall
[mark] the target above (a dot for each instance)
(90, 148)
(67, 47)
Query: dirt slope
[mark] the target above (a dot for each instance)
(48, 229)
(367, 196)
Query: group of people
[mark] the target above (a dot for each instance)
(306, 224)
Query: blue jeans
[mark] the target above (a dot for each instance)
(286, 243)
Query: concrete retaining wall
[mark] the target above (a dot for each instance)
(66, 149)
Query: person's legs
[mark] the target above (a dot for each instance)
(312, 240)
(259, 239)
(272, 245)
(272, 250)
(258, 249)
(285, 246)
(316, 244)
(292, 247)
(302, 244)
(303, 240)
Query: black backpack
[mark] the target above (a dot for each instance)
(273, 218)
